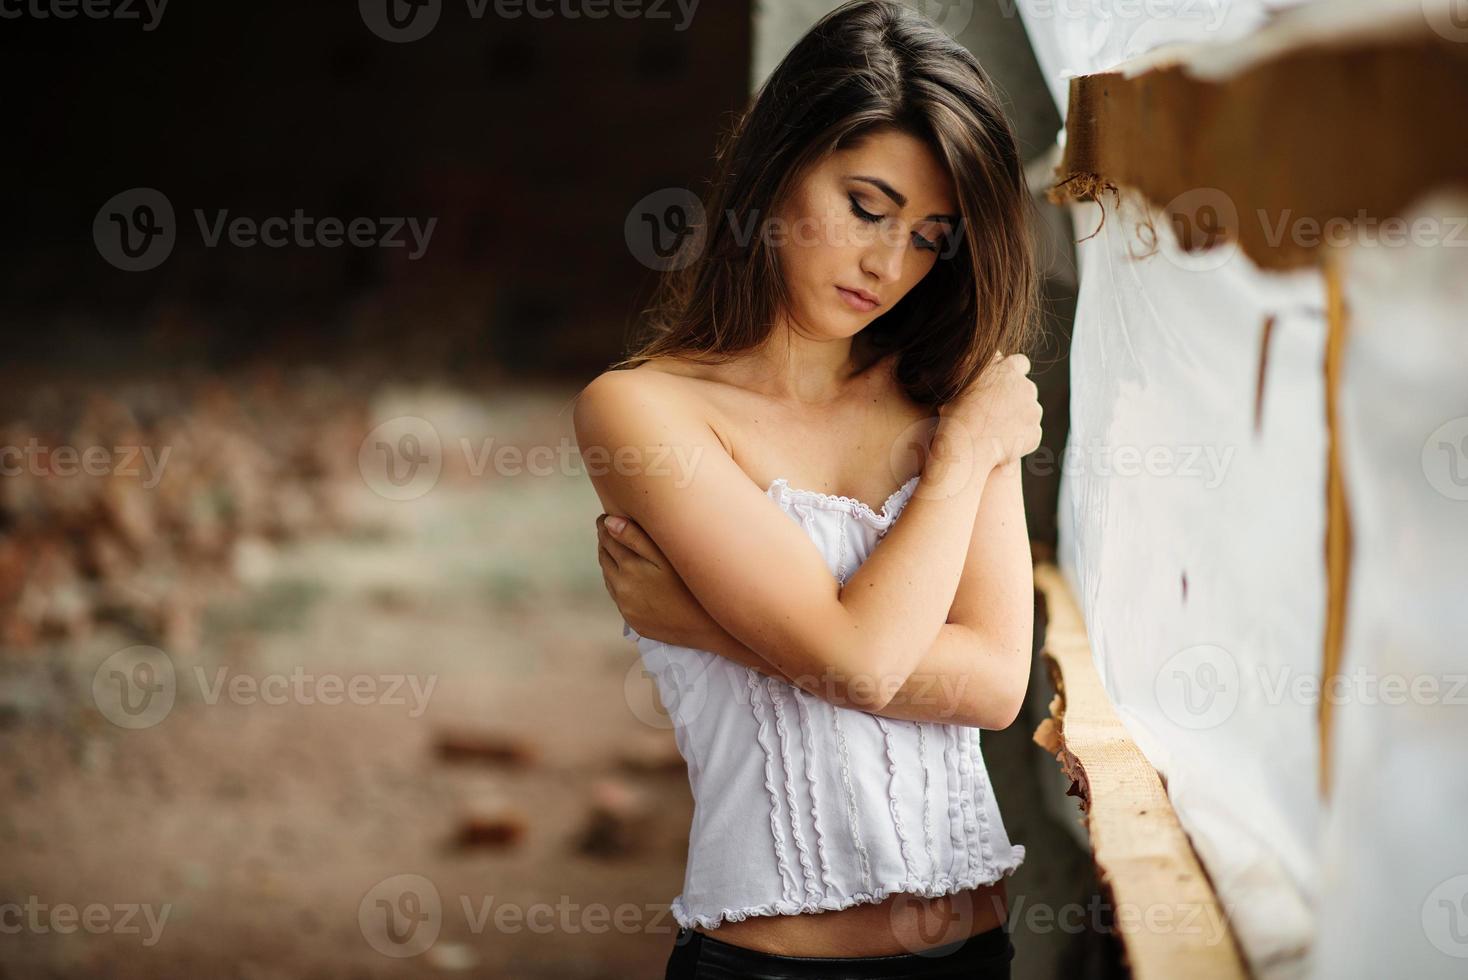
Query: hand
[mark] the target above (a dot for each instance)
(998, 414)
(647, 589)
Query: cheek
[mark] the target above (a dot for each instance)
(918, 268)
(816, 246)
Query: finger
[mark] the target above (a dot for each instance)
(1022, 364)
(638, 541)
(611, 585)
(607, 581)
(620, 552)
(602, 537)
(606, 560)
(605, 539)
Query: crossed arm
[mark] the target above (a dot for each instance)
(934, 626)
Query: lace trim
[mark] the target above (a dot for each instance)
(808, 742)
(893, 805)
(955, 793)
(927, 796)
(775, 831)
(849, 504)
(852, 817)
(967, 800)
(943, 885)
(777, 701)
(982, 786)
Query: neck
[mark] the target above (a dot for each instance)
(802, 370)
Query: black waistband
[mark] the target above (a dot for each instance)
(983, 955)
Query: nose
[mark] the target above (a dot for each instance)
(883, 258)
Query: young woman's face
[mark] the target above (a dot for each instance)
(867, 223)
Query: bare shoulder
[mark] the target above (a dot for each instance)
(613, 400)
(626, 389)
(637, 430)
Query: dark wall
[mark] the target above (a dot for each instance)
(528, 139)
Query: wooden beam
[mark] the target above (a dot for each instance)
(1337, 513)
(1167, 916)
(1284, 142)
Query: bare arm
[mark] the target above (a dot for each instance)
(973, 674)
(758, 576)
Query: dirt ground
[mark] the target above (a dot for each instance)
(264, 826)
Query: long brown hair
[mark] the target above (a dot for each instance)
(868, 65)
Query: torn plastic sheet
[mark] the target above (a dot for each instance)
(1192, 520)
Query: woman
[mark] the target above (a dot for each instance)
(865, 262)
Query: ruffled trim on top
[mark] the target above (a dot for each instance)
(850, 505)
(943, 885)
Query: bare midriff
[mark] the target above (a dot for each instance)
(902, 923)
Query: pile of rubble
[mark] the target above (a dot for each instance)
(130, 502)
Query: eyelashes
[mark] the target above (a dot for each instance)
(863, 214)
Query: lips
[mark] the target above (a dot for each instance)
(858, 299)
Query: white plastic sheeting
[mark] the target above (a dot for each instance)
(1194, 540)
(1220, 684)
(1394, 856)
(1082, 37)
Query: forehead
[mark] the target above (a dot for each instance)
(905, 162)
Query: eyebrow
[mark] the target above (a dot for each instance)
(899, 197)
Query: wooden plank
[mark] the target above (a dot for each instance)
(1168, 918)
(1308, 138)
(1337, 514)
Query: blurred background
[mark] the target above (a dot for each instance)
(301, 627)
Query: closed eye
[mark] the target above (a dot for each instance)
(862, 213)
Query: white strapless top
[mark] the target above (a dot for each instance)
(803, 806)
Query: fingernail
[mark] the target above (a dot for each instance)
(616, 524)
